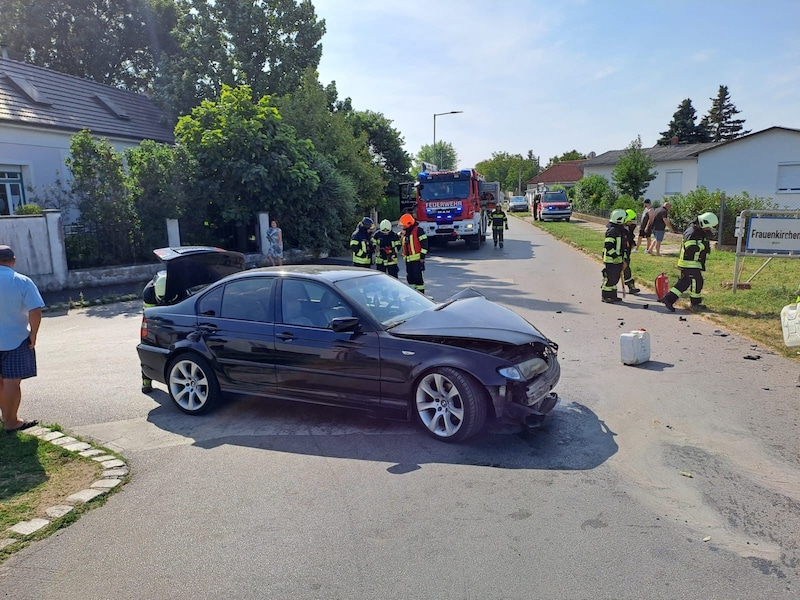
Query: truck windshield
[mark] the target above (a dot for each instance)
(445, 190)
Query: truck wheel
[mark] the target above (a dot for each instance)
(474, 242)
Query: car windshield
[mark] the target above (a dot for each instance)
(518, 200)
(555, 198)
(385, 298)
(444, 190)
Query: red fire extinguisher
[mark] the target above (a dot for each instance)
(662, 285)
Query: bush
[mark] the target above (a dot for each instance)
(594, 195)
(685, 208)
(28, 209)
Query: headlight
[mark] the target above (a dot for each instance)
(469, 226)
(525, 371)
(512, 373)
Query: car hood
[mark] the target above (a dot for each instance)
(474, 318)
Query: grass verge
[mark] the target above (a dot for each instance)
(36, 475)
(754, 312)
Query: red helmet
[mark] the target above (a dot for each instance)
(407, 220)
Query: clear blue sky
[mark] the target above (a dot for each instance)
(554, 76)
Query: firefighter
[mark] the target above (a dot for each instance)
(415, 248)
(361, 243)
(499, 220)
(387, 244)
(630, 243)
(613, 255)
(692, 262)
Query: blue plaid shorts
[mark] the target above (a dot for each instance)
(19, 363)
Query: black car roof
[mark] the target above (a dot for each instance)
(331, 273)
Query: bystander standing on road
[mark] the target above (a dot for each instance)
(275, 249)
(647, 212)
(20, 317)
(658, 223)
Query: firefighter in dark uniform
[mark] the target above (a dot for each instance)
(692, 261)
(630, 244)
(499, 222)
(362, 245)
(387, 245)
(415, 248)
(613, 255)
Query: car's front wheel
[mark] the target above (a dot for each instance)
(192, 384)
(450, 404)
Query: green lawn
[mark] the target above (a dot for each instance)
(753, 312)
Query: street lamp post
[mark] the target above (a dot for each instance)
(452, 112)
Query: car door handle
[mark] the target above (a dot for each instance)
(285, 336)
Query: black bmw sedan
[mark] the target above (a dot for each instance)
(353, 338)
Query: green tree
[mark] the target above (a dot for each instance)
(265, 45)
(720, 120)
(106, 210)
(634, 170)
(108, 42)
(443, 156)
(336, 133)
(248, 159)
(511, 170)
(593, 194)
(158, 179)
(684, 128)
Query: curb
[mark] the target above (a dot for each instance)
(115, 473)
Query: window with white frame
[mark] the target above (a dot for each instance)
(789, 178)
(12, 194)
(674, 182)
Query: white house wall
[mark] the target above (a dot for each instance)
(657, 190)
(40, 154)
(751, 164)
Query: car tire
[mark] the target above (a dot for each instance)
(192, 384)
(449, 404)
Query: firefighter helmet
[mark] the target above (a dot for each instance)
(367, 223)
(406, 220)
(618, 216)
(630, 215)
(386, 226)
(708, 220)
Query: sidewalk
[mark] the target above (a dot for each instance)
(671, 245)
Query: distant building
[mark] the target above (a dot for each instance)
(566, 173)
(764, 164)
(40, 110)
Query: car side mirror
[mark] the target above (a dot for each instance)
(340, 324)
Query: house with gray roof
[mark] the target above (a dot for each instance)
(764, 164)
(676, 166)
(40, 110)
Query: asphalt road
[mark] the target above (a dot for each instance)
(271, 500)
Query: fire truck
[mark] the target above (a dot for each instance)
(450, 205)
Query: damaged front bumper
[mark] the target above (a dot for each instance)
(528, 402)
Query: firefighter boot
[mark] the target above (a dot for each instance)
(632, 287)
(669, 300)
(611, 297)
(147, 385)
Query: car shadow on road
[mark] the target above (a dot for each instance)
(571, 438)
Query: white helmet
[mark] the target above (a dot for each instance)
(618, 216)
(385, 226)
(708, 220)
